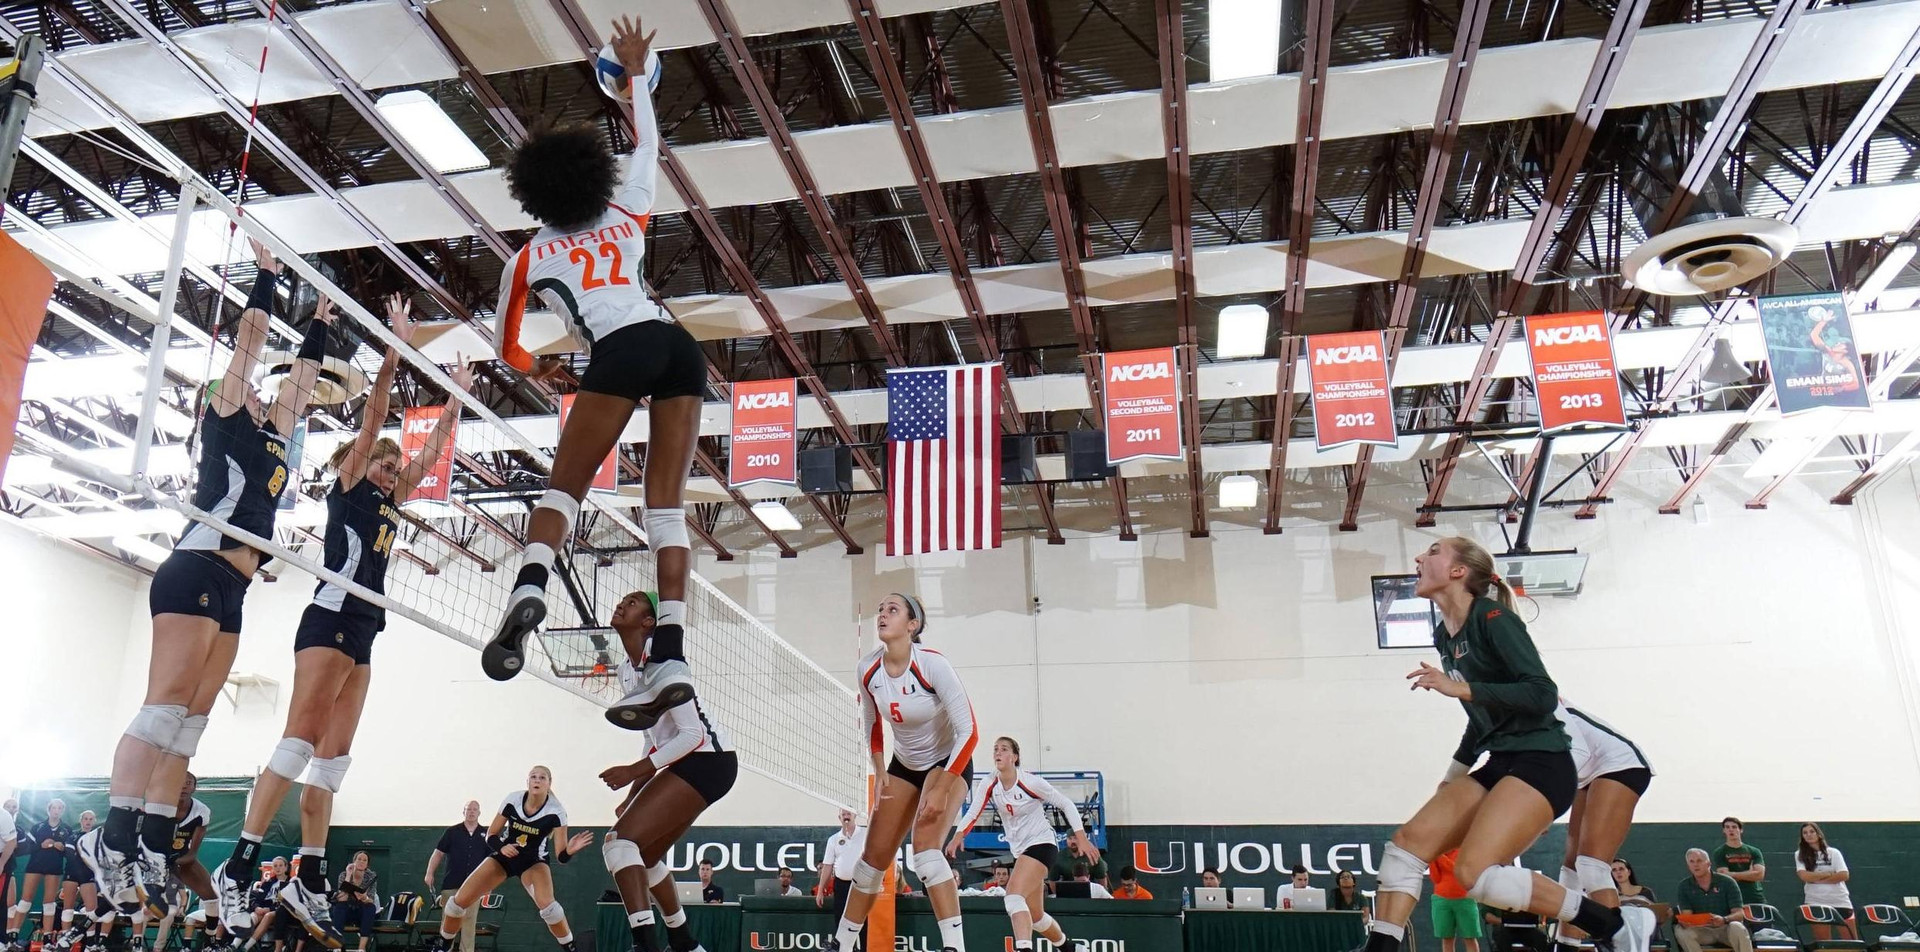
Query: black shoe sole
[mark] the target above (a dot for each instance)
(503, 657)
(639, 717)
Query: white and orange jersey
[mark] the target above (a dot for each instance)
(591, 277)
(926, 706)
(683, 729)
(1022, 808)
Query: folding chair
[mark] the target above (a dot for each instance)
(1884, 922)
(396, 923)
(1838, 925)
(1762, 916)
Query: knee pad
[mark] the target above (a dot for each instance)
(186, 742)
(156, 725)
(1401, 872)
(1044, 924)
(454, 909)
(567, 506)
(619, 854)
(23, 907)
(1017, 904)
(328, 772)
(1569, 879)
(666, 528)
(1503, 887)
(552, 914)
(1596, 874)
(657, 873)
(932, 868)
(290, 758)
(866, 878)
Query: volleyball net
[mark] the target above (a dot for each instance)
(453, 558)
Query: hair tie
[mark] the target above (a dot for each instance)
(914, 610)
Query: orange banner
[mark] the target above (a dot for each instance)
(763, 444)
(1143, 404)
(608, 475)
(1352, 395)
(25, 287)
(1574, 373)
(416, 425)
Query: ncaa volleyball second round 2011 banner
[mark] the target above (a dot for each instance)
(763, 434)
(1574, 372)
(1141, 390)
(1352, 394)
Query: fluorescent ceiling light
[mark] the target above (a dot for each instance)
(1243, 332)
(1883, 274)
(1239, 491)
(140, 548)
(25, 470)
(107, 525)
(775, 516)
(430, 131)
(76, 377)
(1243, 39)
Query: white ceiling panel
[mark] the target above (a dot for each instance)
(917, 298)
(1379, 98)
(143, 80)
(59, 110)
(1531, 79)
(1101, 130)
(503, 35)
(980, 144)
(1021, 287)
(1236, 114)
(230, 52)
(743, 172)
(1862, 211)
(311, 223)
(486, 191)
(409, 211)
(378, 44)
(853, 158)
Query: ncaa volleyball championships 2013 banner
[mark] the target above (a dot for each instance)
(1811, 354)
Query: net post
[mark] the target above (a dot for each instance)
(20, 78)
(163, 326)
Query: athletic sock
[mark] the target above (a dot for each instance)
(538, 559)
(674, 919)
(641, 923)
(123, 824)
(1595, 919)
(566, 942)
(156, 828)
(313, 868)
(951, 935)
(244, 863)
(1385, 937)
(848, 934)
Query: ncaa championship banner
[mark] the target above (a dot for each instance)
(416, 424)
(1352, 396)
(763, 444)
(1142, 392)
(1811, 354)
(607, 476)
(1574, 373)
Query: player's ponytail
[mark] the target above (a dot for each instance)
(915, 612)
(1012, 745)
(1482, 581)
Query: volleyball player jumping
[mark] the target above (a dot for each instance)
(332, 651)
(520, 839)
(586, 263)
(915, 690)
(197, 593)
(1489, 663)
(689, 766)
(1613, 776)
(1022, 798)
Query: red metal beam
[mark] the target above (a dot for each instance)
(1173, 125)
(1889, 461)
(1316, 55)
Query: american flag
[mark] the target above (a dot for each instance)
(943, 448)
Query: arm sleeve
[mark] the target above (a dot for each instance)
(1052, 794)
(687, 736)
(959, 711)
(979, 805)
(1531, 691)
(636, 191)
(511, 309)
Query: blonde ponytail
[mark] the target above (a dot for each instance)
(1482, 581)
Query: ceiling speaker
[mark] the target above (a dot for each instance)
(1709, 256)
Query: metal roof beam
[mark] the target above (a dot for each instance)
(1173, 111)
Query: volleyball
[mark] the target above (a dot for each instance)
(612, 76)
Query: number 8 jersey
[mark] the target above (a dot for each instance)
(591, 276)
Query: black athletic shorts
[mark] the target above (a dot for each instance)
(47, 863)
(519, 862)
(1636, 779)
(78, 872)
(1551, 773)
(651, 359)
(351, 635)
(711, 773)
(919, 777)
(1046, 853)
(194, 582)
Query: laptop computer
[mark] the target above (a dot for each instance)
(689, 893)
(1310, 899)
(1073, 889)
(1209, 898)
(1249, 897)
(766, 887)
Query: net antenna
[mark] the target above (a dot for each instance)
(792, 721)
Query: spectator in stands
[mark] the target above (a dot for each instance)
(1345, 896)
(1210, 879)
(462, 847)
(1709, 909)
(1067, 861)
(1455, 917)
(1746, 864)
(264, 898)
(1001, 873)
(1130, 887)
(1628, 885)
(831, 855)
(787, 888)
(1081, 874)
(710, 891)
(1283, 897)
(357, 900)
(1824, 871)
